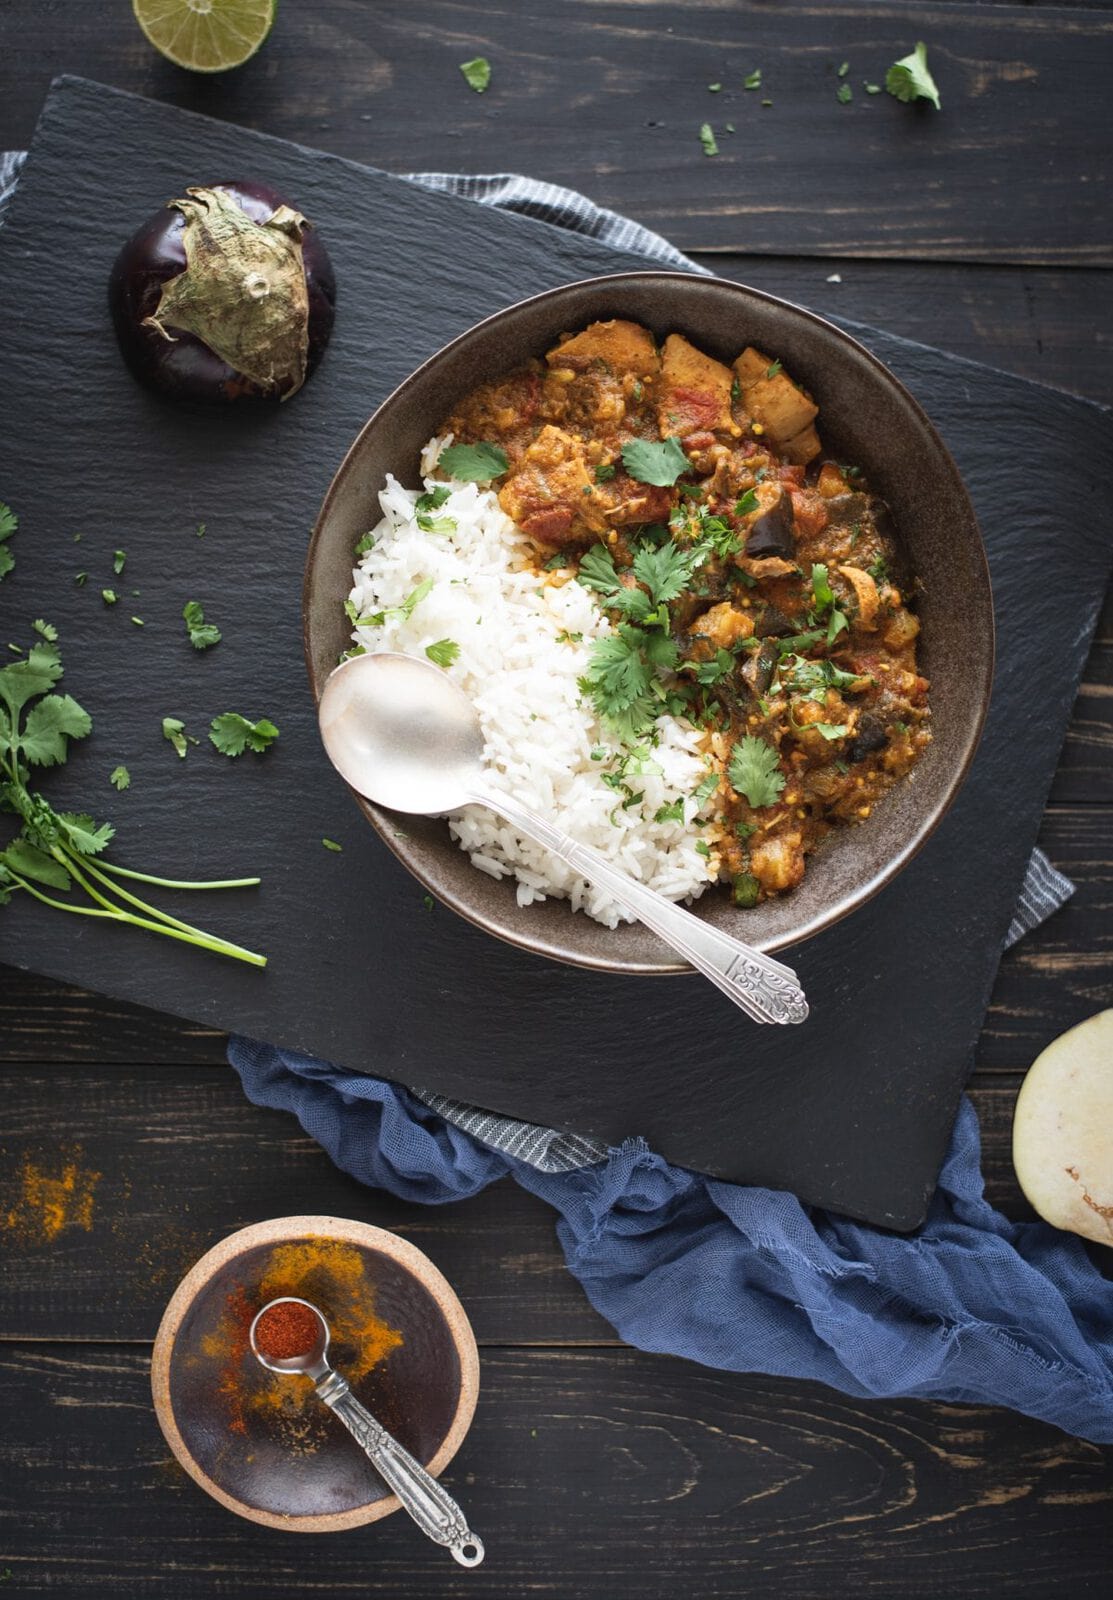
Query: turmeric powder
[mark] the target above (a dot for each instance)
(50, 1201)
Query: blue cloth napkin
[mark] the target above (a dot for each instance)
(971, 1308)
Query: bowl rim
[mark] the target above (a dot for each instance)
(384, 821)
(278, 1230)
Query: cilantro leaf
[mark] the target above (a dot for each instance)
(402, 613)
(618, 681)
(120, 778)
(331, 844)
(474, 463)
(844, 94)
(173, 729)
(118, 559)
(746, 503)
(752, 80)
(705, 789)
(673, 811)
(202, 634)
(9, 522)
(666, 570)
(32, 862)
(909, 79)
(49, 723)
(822, 592)
(709, 672)
(428, 503)
(829, 730)
(707, 139)
(108, 596)
(754, 771)
(477, 73)
(233, 734)
(82, 834)
(597, 570)
(443, 653)
(45, 630)
(363, 544)
(658, 464)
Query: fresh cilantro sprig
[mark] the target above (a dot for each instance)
(474, 463)
(402, 613)
(909, 78)
(56, 850)
(754, 771)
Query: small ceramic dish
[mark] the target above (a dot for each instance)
(264, 1445)
(866, 417)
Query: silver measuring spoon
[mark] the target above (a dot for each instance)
(431, 1506)
(405, 736)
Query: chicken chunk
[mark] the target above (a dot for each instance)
(724, 625)
(778, 862)
(549, 494)
(694, 391)
(621, 346)
(780, 406)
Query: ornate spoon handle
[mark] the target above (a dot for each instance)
(431, 1506)
(764, 989)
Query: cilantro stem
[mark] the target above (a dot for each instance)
(165, 923)
(179, 883)
(204, 942)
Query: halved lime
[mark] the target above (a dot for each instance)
(206, 35)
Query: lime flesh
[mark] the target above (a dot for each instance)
(206, 35)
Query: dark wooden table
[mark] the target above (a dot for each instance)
(592, 1469)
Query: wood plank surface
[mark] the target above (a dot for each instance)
(609, 97)
(586, 1472)
(592, 1470)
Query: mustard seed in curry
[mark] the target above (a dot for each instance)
(754, 583)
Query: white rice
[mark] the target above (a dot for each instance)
(525, 639)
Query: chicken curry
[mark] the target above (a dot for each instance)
(754, 583)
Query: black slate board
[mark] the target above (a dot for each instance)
(853, 1110)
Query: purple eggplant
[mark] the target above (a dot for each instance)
(774, 532)
(224, 294)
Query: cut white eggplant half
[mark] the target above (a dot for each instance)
(1063, 1131)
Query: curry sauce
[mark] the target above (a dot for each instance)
(755, 583)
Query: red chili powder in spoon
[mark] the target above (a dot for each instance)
(287, 1330)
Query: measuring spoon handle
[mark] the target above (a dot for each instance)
(431, 1506)
(764, 989)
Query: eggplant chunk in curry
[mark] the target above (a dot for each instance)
(754, 583)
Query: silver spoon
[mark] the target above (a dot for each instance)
(431, 1506)
(405, 736)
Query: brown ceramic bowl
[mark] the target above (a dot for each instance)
(866, 417)
(264, 1445)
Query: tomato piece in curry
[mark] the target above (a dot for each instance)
(792, 641)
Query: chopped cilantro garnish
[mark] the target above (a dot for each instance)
(660, 464)
(754, 771)
(233, 734)
(477, 73)
(173, 729)
(707, 139)
(909, 78)
(443, 653)
(80, 578)
(713, 88)
(202, 634)
(771, 371)
(120, 778)
(752, 80)
(474, 463)
(878, 570)
(746, 503)
(605, 471)
(118, 559)
(844, 94)
(365, 543)
(703, 848)
(428, 503)
(673, 811)
(705, 789)
(871, 88)
(331, 844)
(843, 69)
(108, 596)
(402, 613)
